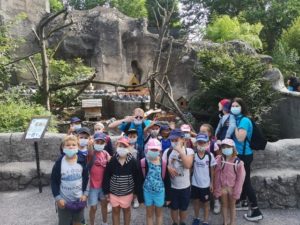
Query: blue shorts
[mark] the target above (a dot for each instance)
(95, 195)
(180, 198)
(156, 199)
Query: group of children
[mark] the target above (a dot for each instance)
(173, 166)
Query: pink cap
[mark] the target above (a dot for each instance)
(123, 140)
(185, 128)
(153, 143)
(224, 101)
(229, 142)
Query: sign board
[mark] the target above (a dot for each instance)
(37, 128)
(91, 103)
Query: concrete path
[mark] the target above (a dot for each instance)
(31, 208)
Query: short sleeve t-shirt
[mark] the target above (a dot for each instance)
(71, 181)
(98, 168)
(181, 181)
(245, 124)
(139, 129)
(201, 174)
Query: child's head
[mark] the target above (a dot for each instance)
(132, 136)
(165, 131)
(186, 129)
(154, 129)
(202, 142)
(99, 141)
(99, 127)
(224, 105)
(154, 148)
(228, 148)
(83, 135)
(75, 122)
(139, 115)
(122, 147)
(176, 137)
(70, 146)
(207, 129)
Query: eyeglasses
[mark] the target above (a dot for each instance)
(139, 117)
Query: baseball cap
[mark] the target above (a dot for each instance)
(165, 127)
(124, 140)
(202, 137)
(83, 130)
(99, 136)
(185, 128)
(131, 130)
(226, 104)
(176, 133)
(153, 143)
(75, 120)
(228, 141)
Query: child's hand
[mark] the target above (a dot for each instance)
(173, 173)
(211, 188)
(83, 198)
(61, 203)
(168, 203)
(107, 198)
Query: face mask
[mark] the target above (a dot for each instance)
(174, 144)
(132, 141)
(137, 122)
(122, 151)
(98, 147)
(152, 155)
(154, 133)
(187, 135)
(227, 151)
(201, 148)
(236, 110)
(77, 126)
(70, 152)
(83, 142)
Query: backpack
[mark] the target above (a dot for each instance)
(144, 166)
(258, 141)
(128, 125)
(236, 162)
(212, 147)
(92, 161)
(223, 129)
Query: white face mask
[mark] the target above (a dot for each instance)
(98, 147)
(137, 122)
(132, 141)
(77, 126)
(83, 142)
(122, 152)
(187, 135)
(201, 148)
(154, 133)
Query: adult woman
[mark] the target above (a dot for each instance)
(242, 134)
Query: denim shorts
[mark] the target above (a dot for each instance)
(95, 195)
(156, 199)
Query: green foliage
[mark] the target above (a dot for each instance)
(291, 36)
(224, 74)
(56, 5)
(86, 4)
(16, 111)
(132, 8)
(224, 28)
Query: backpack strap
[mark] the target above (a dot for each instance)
(143, 166)
(163, 169)
(236, 162)
(212, 146)
(168, 154)
(209, 162)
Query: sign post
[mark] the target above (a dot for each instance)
(35, 132)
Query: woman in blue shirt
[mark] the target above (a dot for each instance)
(242, 134)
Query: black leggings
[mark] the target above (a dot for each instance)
(248, 190)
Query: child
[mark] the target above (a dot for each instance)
(84, 136)
(121, 181)
(203, 178)
(152, 131)
(155, 191)
(229, 179)
(99, 128)
(227, 122)
(186, 129)
(75, 124)
(97, 162)
(165, 141)
(69, 181)
(212, 145)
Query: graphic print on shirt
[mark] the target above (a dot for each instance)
(153, 181)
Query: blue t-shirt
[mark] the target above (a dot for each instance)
(245, 124)
(165, 144)
(139, 129)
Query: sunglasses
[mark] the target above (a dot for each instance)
(139, 117)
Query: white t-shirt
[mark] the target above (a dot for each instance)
(71, 181)
(201, 169)
(183, 180)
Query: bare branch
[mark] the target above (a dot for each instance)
(169, 56)
(59, 28)
(32, 73)
(156, 19)
(35, 71)
(48, 19)
(21, 58)
(36, 35)
(58, 45)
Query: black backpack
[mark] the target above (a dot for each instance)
(258, 141)
(128, 125)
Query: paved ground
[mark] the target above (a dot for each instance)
(31, 208)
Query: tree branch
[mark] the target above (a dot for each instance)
(59, 28)
(58, 45)
(35, 71)
(21, 58)
(48, 19)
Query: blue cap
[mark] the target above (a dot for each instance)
(83, 130)
(99, 136)
(176, 133)
(165, 127)
(75, 120)
(202, 137)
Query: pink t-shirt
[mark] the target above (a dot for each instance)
(98, 168)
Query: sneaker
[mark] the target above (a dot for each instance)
(174, 224)
(196, 221)
(205, 223)
(109, 208)
(254, 215)
(135, 203)
(182, 223)
(217, 206)
(242, 205)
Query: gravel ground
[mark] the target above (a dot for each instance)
(31, 208)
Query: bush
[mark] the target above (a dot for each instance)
(56, 5)
(291, 36)
(225, 74)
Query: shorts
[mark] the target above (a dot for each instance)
(203, 194)
(180, 198)
(156, 199)
(66, 217)
(227, 190)
(123, 201)
(95, 195)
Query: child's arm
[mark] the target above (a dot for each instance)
(55, 181)
(218, 127)
(232, 126)
(167, 184)
(85, 181)
(240, 178)
(139, 186)
(217, 182)
(106, 178)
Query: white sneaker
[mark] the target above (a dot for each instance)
(135, 203)
(109, 208)
(217, 206)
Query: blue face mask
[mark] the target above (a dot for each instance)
(227, 151)
(187, 135)
(70, 152)
(236, 110)
(83, 142)
(98, 147)
(152, 155)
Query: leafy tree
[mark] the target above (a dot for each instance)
(86, 4)
(291, 36)
(133, 8)
(226, 74)
(56, 5)
(224, 28)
